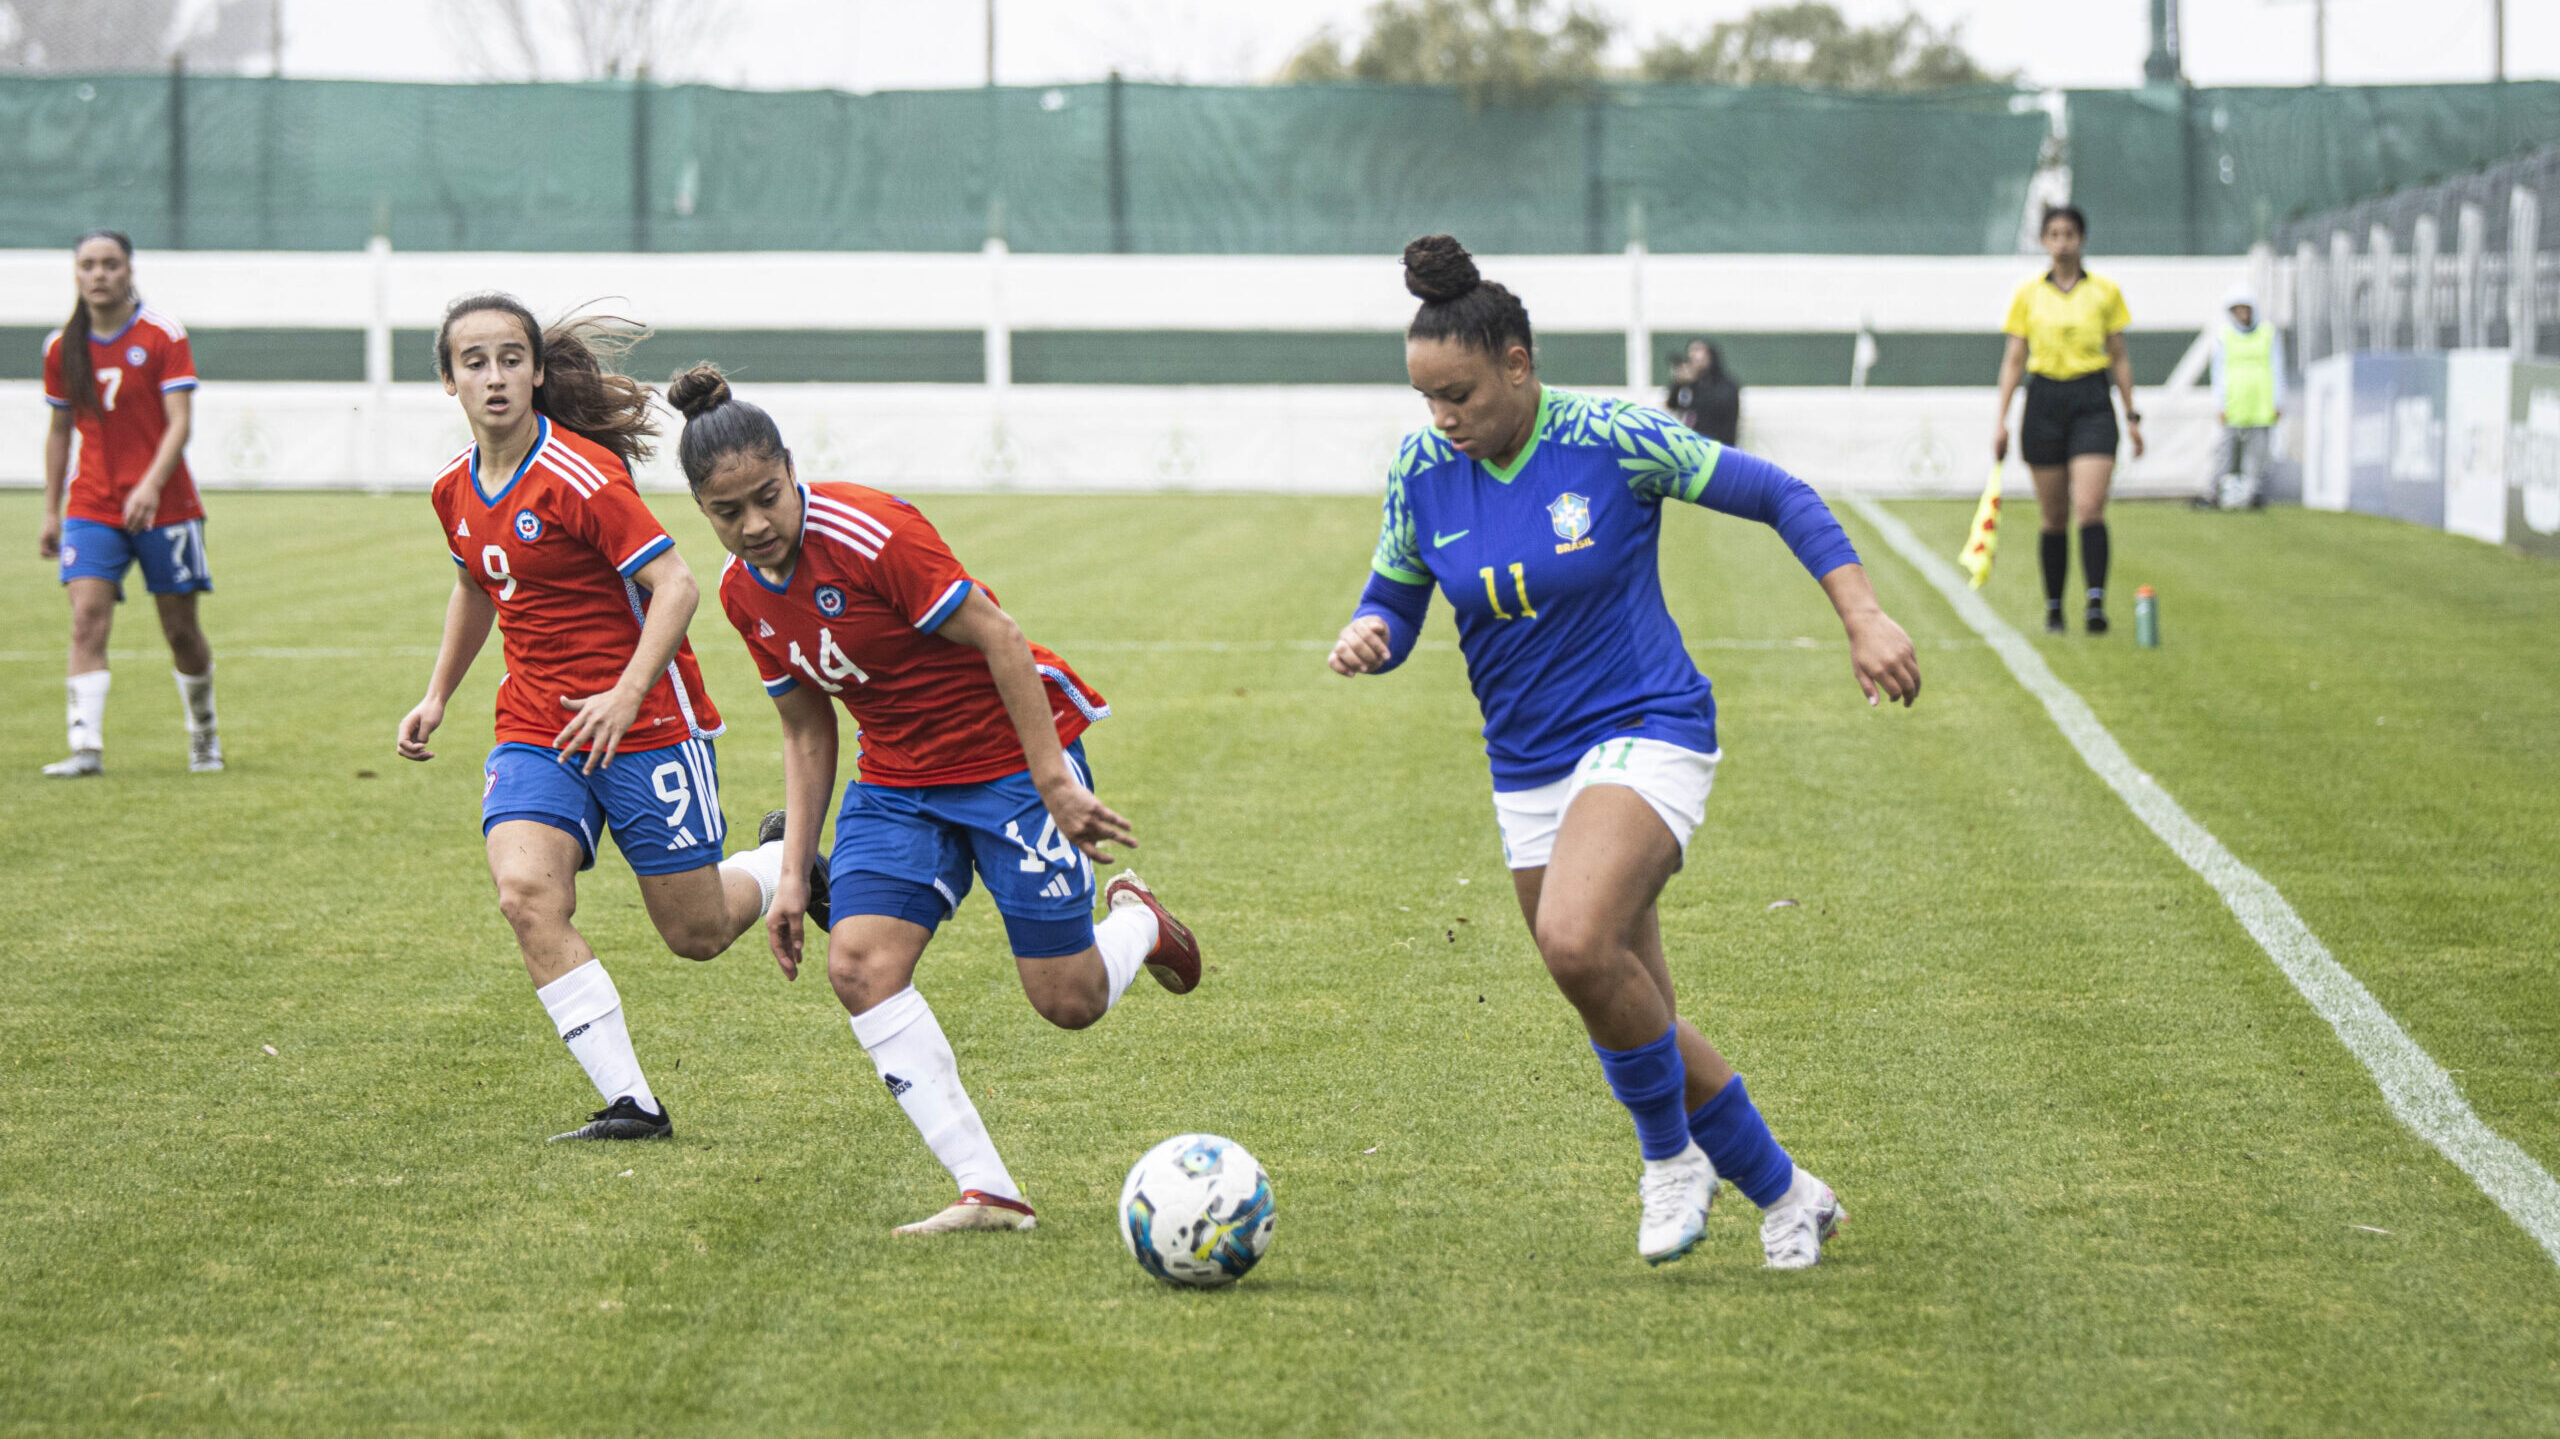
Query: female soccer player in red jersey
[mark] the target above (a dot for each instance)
(556, 547)
(971, 761)
(121, 375)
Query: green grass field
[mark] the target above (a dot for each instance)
(2107, 1173)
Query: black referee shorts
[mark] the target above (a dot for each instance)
(2066, 419)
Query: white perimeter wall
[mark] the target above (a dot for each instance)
(1327, 438)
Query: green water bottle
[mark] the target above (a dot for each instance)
(2146, 618)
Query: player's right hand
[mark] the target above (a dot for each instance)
(49, 539)
(1362, 648)
(1999, 444)
(783, 926)
(416, 726)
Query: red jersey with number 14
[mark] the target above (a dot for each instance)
(555, 549)
(857, 619)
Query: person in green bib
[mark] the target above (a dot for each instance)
(2248, 382)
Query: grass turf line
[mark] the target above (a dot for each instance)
(2107, 1171)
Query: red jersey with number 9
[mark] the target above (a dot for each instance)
(555, 549)
(857, 619)
(122, 426)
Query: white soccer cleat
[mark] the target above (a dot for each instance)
(975, 1209)
(1793, 1233)
(82, 764)
(1677, 1193)
(204, 751)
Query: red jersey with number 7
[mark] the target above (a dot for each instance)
(856, 618)
(124, 419)
(555, 547)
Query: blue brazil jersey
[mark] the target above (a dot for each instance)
(1552, 565)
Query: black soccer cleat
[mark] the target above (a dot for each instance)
(2053, 624)
(821, 909)
(2097, 621)
(624, 1119)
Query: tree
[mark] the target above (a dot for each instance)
(1496, 50)
(1811, 44)
(132, 34)
(579, 39)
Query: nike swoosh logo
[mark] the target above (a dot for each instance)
(1438, 539)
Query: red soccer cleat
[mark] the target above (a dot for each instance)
(1175, 961)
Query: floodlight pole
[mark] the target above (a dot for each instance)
(2498, 40)
(991, 44)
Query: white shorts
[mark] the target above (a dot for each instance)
(1673, 780)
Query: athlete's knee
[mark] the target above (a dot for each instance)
(1071, 1006)
(532, 904)
(1577, 946)
(861, 976)
(695, 939)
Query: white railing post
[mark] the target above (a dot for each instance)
(2470, 230)
(2524, 236)
(376, 466)
(2426, 324)
(2342, 293)
(2310, 332)
(2382, 310)
(1639, 333)
(999, 332)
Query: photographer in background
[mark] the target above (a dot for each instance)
(1704, 395)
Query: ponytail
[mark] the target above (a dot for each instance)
(79, 383)
(578, 392)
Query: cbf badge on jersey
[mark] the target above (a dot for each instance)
(1571, 515)
(830, 601)
(528, 526)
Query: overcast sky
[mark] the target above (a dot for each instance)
(899, 44)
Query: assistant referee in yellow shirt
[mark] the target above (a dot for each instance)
(2066, 334)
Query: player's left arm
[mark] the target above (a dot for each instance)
(1082, 818)
(179, 407)
(602, 720)
(1880, 654)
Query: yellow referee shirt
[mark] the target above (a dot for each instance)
(2066, 334)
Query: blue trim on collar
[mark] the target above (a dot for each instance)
(541, 437)
(125, 329)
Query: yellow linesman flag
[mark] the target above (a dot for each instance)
(1984, 542)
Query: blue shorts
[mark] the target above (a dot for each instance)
(172, 556)
(908, 854)
(662, 804)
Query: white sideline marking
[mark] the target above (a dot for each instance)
(246, 652)
(283, 652)
(2413, 1084)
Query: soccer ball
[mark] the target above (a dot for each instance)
(1196, 1211)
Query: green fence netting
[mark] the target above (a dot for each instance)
(225, 162)
(2171, 172)
(242, 163)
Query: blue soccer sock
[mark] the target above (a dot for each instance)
(1738, 1141)
(1650, 1081)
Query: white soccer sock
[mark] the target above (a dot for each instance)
(1125, 937)
(906, 1045)
(196, 693)
(763, 864)
(87, 717)
(587, 1010)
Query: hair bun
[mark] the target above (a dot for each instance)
(698, 390)
(1437, 268)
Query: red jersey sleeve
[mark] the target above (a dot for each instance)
(917, 573)
(53, 394)
(612, 517)
(178, 365)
